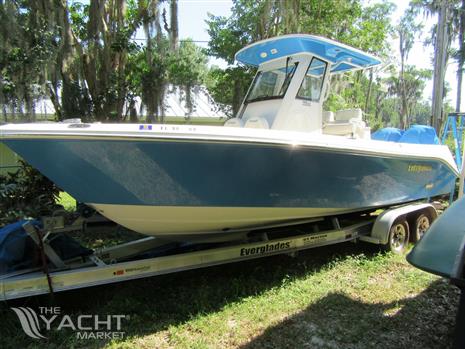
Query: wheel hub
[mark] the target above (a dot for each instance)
(398, 237)
(423, 226)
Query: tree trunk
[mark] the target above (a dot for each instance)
(378, 105)
(174, 31)
(161, 104)
(5, 115)
(189, 104)
(370, 84)
(237, 97)
(440, 61)
(120, 59)
(461, 59)
(52, 92)
(71, 94)
(28, 104)
(403, 97)
(459, 87)
(133, 112)
(153, 91)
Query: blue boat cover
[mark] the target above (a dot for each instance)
(13, 244)
(420, 134)
(342, 57)
(388, 134)
(18, 251)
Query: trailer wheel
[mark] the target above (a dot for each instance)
(398, 237)
(422, 224)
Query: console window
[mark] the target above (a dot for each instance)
(313, 81)
(272, 83)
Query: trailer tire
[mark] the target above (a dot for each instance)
(398, 238)
(422, 224)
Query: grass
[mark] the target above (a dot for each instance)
(67, 201)
(343, 296)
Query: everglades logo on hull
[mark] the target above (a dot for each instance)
(419, 168)
(278, 246)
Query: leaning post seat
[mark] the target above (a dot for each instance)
(347, 122)
(234, 122)
(251, 122)
(346, 115)
(256, 122)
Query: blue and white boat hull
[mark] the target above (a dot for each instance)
(179, 182)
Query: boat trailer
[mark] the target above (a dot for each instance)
(392, 229)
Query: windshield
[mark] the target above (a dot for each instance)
(271, 84)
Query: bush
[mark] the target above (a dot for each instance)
(26, 193)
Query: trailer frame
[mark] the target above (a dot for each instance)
(129, 261)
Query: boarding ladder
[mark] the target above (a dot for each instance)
(455, 126)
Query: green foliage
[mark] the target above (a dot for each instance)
(79, 15)
(420, 113)
(151, 69)
(87, 52)
(409, 86)
(80, 54)
(389, 113)
(228, 87)
(67, 201)
(26, 193)
(27, 45)
(187, 67)
(373, 29)
(247, 23)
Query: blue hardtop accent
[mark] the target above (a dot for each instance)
(342, 57)
(388, 134)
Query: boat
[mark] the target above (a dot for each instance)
(281, 160)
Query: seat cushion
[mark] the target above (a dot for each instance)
(256, 122)
(348, 114)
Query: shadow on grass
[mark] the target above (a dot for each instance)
(338, 321)
(154, 304)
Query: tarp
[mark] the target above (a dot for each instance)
(18, 251)
(389, 134)
(14, 242)
(420, 134)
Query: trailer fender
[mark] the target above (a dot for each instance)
(384, 222)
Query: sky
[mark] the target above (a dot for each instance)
(193, 13)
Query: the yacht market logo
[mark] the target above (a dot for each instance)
(86, 326)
